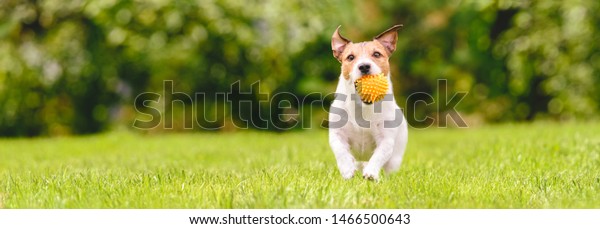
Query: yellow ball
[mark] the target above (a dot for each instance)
(372, 88)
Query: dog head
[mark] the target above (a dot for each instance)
(365, 58)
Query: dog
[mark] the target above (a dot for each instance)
(365, 136)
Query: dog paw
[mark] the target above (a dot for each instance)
(347, 173)
(370, 175)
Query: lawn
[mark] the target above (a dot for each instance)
(540, 165)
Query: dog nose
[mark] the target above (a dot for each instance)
(364, 68)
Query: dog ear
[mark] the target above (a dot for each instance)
(338, 44)
(389, 38)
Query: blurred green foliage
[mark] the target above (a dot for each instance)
(76, 66)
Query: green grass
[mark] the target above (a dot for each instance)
(542, 165)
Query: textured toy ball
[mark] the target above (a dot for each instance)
(371, 88)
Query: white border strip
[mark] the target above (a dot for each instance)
(65, 219)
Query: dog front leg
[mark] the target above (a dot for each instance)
(383, 153)
(341, 150)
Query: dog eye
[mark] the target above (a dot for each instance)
(350, 57)
(377, 54)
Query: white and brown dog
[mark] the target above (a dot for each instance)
(365, 136)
